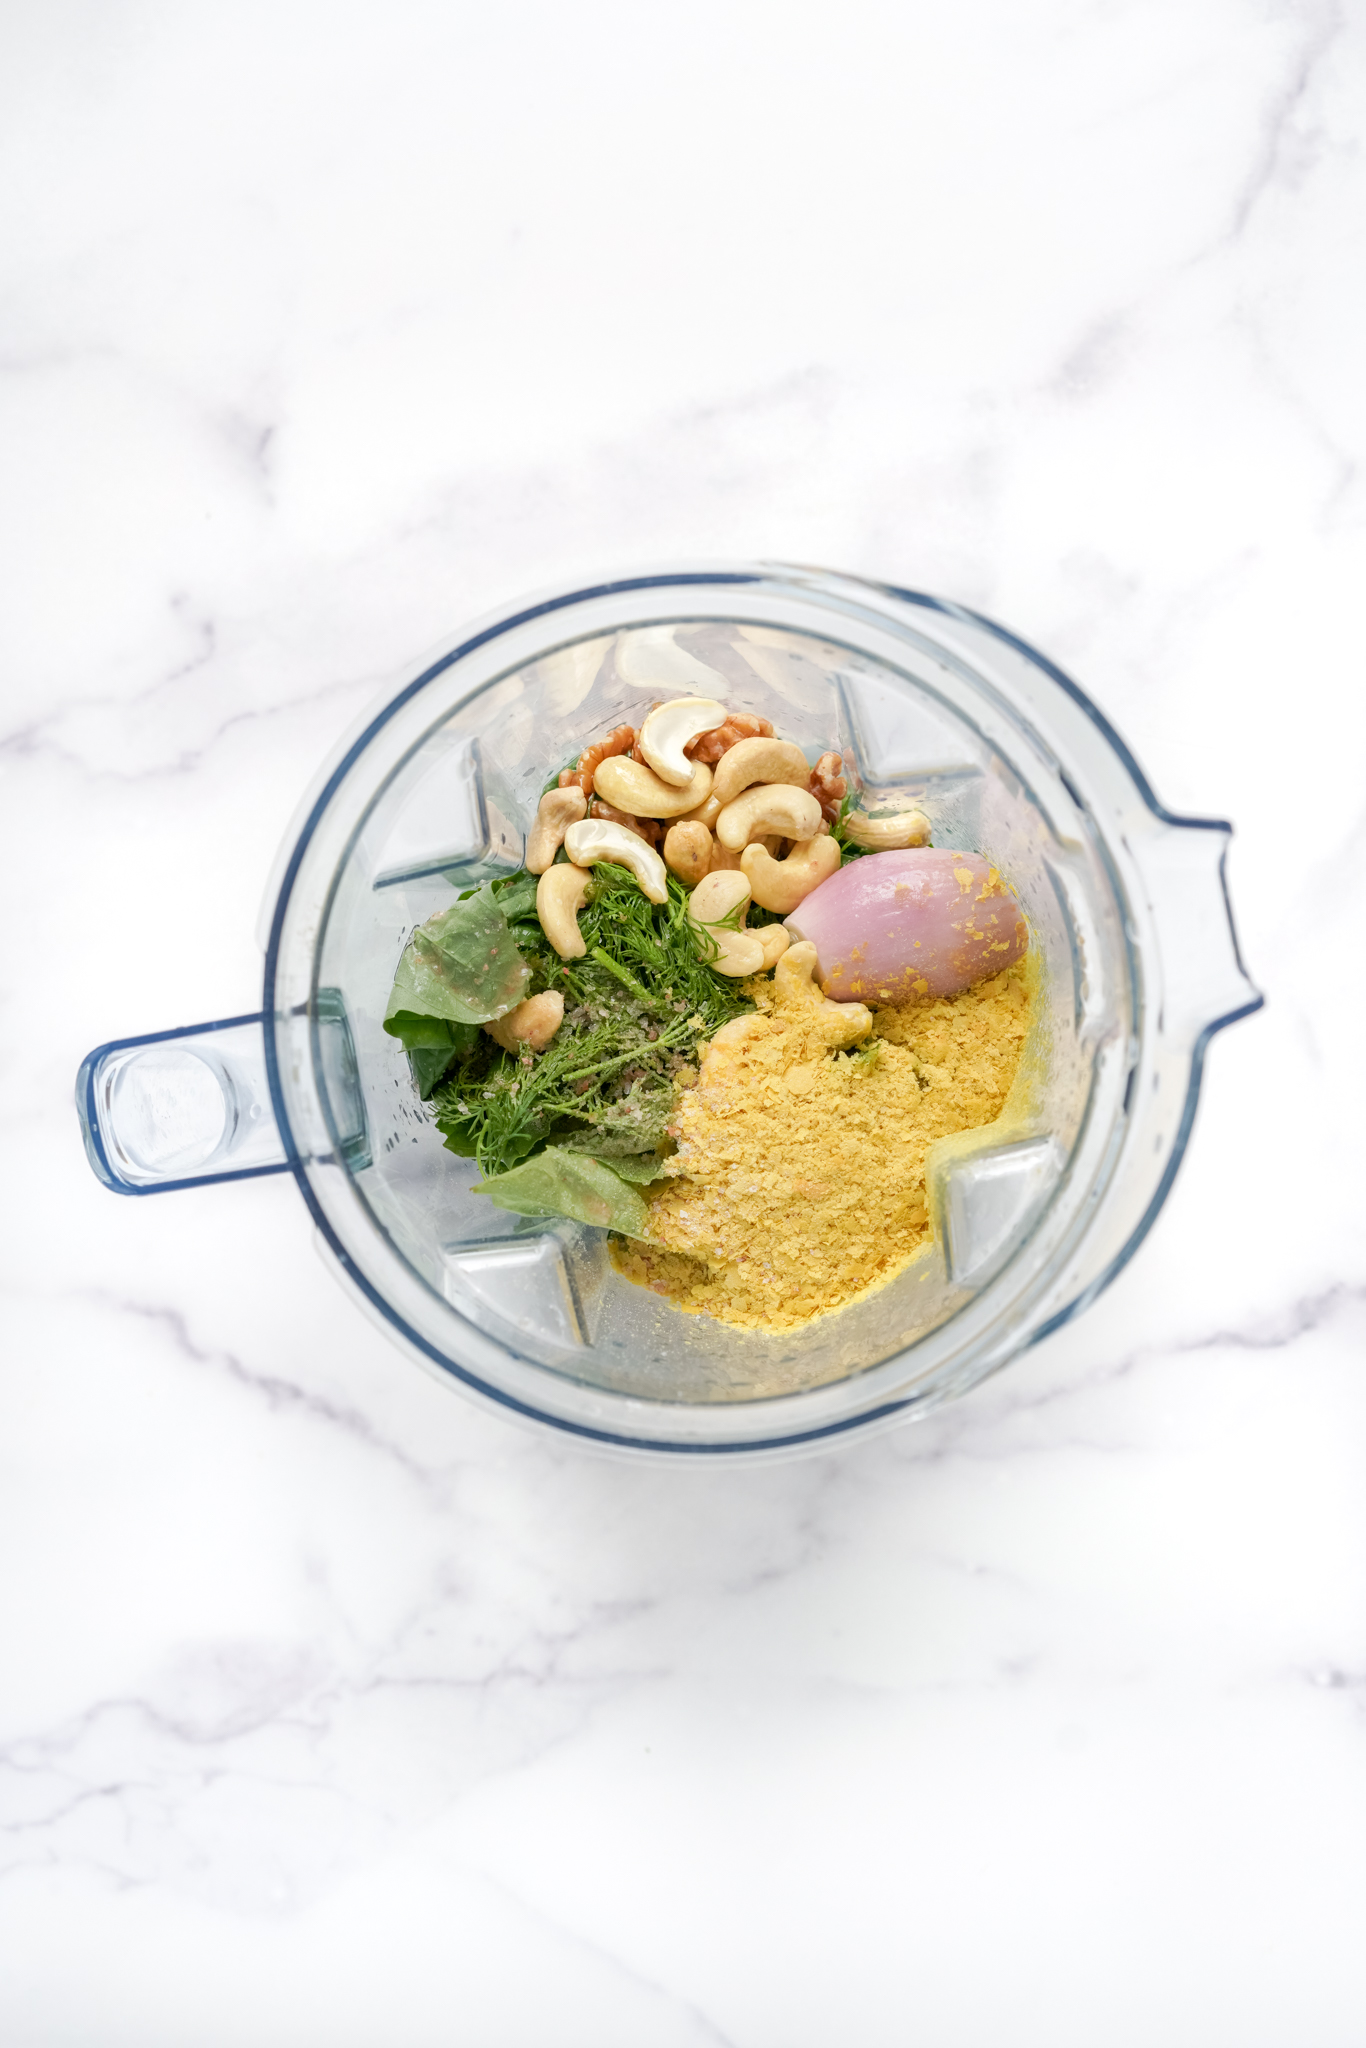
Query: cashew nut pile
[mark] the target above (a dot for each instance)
(745, 820)
(761, 818)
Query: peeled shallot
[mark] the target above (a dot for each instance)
(908, 926)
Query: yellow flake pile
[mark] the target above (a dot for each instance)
(799, 1180)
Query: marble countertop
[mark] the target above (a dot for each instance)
(335, 1710)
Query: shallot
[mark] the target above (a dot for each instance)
(907, 926)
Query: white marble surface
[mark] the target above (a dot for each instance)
(334, 1711)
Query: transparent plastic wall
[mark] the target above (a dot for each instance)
(454, 809)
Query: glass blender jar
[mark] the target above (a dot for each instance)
(931, 706)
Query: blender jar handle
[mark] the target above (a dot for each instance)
(177, 1109)
(1204, 983)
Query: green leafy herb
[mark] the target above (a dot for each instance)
(631, 1143)
(658, 944)
(432, 1044)
(573, 1130)
(463, 965)
(609, 1073)
(516, 895)
(418, 1032)
(642, 1168)
(621, 974)
(561, 1183)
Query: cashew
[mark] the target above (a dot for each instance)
(705, 814)
(887, 835)
(782, 884)
(555, 813)
(775, 940)
(726, 1050)
(630, 786)
(596, 839)
(740, 1029)
(531, 1025)
(740, 955)
(773, 807)
(715, 897)
(560, 895)
(687, 851)
(840, 1023)
(667, 730)
(750, 761)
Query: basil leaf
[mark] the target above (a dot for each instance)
(432, 1044)
(640, 1167)
(460, 1135)
(414, 1031)
(517, 898)
(560, 1183)
(463, 965)
(429, 1063)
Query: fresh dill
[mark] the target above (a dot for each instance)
(658, 945)
(602, 1077)
(635, 1005)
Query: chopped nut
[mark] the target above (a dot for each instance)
(740, 725)
(829, 785)
(620, 741)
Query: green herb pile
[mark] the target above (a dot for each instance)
(575, 1129)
